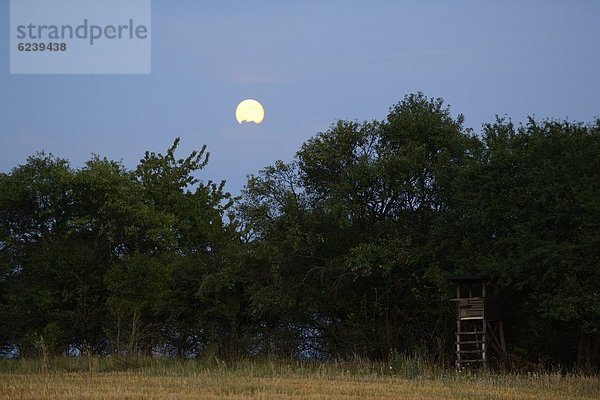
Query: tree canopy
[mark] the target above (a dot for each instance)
(343, 251)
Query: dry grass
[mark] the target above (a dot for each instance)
(92, 379)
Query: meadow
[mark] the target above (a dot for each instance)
(115, 378)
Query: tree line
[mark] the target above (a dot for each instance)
(344, 251)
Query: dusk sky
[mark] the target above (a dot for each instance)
(309, 63)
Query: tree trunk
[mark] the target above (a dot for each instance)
(588, 354)
(134, 333)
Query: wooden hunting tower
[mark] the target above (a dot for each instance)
(478, 320)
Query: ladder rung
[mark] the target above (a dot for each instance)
(471, 342)
(470, 351)
(470, 361)
(470, 333)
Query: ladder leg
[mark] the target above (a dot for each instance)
(458, 332)
(484, 343)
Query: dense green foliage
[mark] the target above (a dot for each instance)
(344, 251)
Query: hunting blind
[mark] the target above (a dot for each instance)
(479, 327)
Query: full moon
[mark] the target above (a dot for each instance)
(250, 110)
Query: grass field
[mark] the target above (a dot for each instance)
(91, 378)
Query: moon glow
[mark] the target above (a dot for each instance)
(250, 110)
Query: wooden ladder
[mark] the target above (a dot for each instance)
(471, 343)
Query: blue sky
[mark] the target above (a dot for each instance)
(309, 63)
